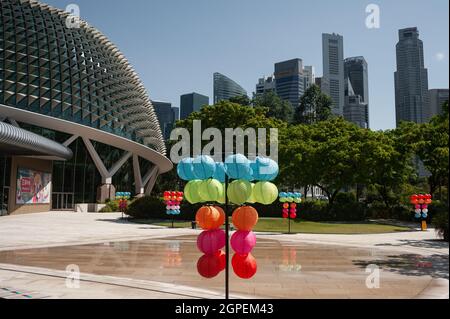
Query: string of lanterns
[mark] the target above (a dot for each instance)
(173, 201)
(290, 201)
(206, 184)
(421, 202)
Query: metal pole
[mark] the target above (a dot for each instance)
(227, 244)
(289, 216)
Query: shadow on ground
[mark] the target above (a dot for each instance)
(435, 266)
(426, 243)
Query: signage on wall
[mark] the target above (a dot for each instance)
(33, 187)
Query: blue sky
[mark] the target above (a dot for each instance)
(176, 45)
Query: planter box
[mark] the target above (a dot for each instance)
(88, 208)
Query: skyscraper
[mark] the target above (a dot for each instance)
(265, 84)
(333, 69)
(176, 113)
(290, 82)
(356, 106)
(225, 88)
(191, 102)
(165, 116)
(437, 98)
(411, 79)
(309, 73)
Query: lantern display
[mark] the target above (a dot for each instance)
(290, 201)
(173, 201)
(209, 182)
(420, 204)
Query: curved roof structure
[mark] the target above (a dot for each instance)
(14, 140)
(72, 73)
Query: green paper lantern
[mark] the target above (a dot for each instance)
(191, 192)
(221, 198)
(210, 190)
(252, 198)
(265, 193)
(239, 191)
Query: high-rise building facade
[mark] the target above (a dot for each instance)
(309, 76)
(290, 82)
(225, 88)
(176, 113)
(437, 98)
(333, 70)
(356, 106)
(411, 79)
(166, 117)
(192, 102)
(265, 84)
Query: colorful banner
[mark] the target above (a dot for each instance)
(33, 187)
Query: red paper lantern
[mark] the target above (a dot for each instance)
(285, 214)
(293, 215)
(244, 266)
(222, 259)
(209, 266)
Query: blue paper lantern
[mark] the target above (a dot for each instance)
(219, 174)
(264, 169)
(185, 169)
(204, 167)
(238, 167)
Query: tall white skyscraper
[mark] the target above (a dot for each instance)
(333, 69)
(309, 74)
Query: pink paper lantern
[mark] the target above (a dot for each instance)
(417, 206)
(293, 210)
(243, 242)
(424, 207)
(210, 241)
(285, 210)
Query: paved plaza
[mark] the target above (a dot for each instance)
(119, 259)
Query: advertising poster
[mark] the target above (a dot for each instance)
(33, 187)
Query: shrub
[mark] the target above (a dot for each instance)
(111, 206)
(440, 221)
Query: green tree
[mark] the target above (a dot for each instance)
(326, 154)
(385, 164)
(243, 100)
(277, 108)
(315, 106)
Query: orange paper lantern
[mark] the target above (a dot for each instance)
(245, 218)
(210, 217)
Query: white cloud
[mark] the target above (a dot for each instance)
(440, 56)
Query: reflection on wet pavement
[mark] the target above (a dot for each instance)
(285, 270)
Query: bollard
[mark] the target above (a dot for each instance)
(194, 225)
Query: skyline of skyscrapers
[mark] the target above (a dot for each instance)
(411, 79)
(345, 80)
(226, 88)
